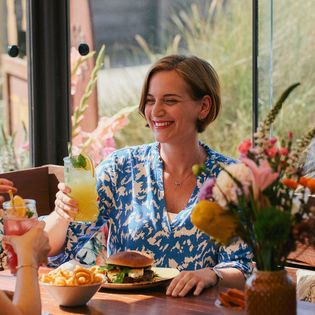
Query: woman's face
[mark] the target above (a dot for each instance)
(169, 110)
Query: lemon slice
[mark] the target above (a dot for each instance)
(18, 201)
(89, 163)
(19, 206)
(20, 212)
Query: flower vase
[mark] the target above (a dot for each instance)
(270, 292)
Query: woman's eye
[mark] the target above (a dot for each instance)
(149, 102)
(170, 101)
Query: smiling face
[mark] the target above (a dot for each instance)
(169, 109)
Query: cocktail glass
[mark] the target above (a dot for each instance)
(83, 189)
(17, 220)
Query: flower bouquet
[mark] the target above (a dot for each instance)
(263, 199)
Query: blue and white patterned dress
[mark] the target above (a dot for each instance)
(130, 187)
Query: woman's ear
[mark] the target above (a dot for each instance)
(205, 107)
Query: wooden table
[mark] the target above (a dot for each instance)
(149, 302)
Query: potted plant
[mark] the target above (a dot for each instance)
(263, 200)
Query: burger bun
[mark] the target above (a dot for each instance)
(131, 259)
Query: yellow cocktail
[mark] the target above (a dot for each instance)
(80, 178)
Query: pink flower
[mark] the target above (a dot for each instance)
(272, 152)
(263, 174)
(245, 146)
(290, 135)
(205, 192)
(26, 146)
(273, 141)
(284, 151)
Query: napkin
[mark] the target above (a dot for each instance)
(305, 284)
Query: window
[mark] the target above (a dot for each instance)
(135, 34)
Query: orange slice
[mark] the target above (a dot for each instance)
(20, 212)
(89, 163)
(18, 206)
(18, 201)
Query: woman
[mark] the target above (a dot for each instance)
(147, 192)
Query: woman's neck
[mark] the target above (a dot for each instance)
(178, 160)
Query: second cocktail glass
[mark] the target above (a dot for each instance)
(17, 220)
(82, 182)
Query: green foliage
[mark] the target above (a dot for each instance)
(293, 61)
(272, 226)
(272, 229)
(12, 157)
(222, 34)
(78, 113)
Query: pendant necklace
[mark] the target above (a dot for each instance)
(179, 184)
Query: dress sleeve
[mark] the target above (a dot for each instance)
(79, 243)
(236, 255)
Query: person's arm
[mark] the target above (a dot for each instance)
(56, 228)
(232, 278)
(234, 264)
(7, 307)
(57, 222)
(31, 250)
(204, 278)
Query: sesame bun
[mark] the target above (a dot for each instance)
(132, 259)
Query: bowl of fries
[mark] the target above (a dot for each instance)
(72, 287)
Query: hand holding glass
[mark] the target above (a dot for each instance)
(17, 220)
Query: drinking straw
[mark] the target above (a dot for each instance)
(12, 199)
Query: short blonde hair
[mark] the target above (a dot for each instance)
(200, 77)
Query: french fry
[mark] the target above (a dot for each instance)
(79, 276)
(233, 298)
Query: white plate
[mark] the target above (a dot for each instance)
(164, 275)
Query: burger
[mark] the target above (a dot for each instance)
(128, 267)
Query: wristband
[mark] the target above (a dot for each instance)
(27, 266)
(218, 274)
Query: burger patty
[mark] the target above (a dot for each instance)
(147, 276)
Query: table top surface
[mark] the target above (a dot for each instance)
(144, 302)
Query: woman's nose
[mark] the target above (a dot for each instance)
(157, 108)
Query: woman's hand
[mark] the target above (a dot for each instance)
(32, 248)
(186, 280)
(66, 207)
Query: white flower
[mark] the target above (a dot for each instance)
(226, 190)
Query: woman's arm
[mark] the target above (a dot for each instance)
(204, 278)
(57, 222)
(31, 250)
(232, 278)
(234, 264)
(56, 228)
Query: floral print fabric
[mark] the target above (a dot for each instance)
(130, 187)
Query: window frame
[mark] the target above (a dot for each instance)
(49, 80)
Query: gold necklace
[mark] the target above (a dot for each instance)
(177, 183)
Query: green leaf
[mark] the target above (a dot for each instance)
(272, 227)
(29, 213)
(119, 278)
(78, 162)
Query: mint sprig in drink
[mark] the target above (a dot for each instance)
(79, 176)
